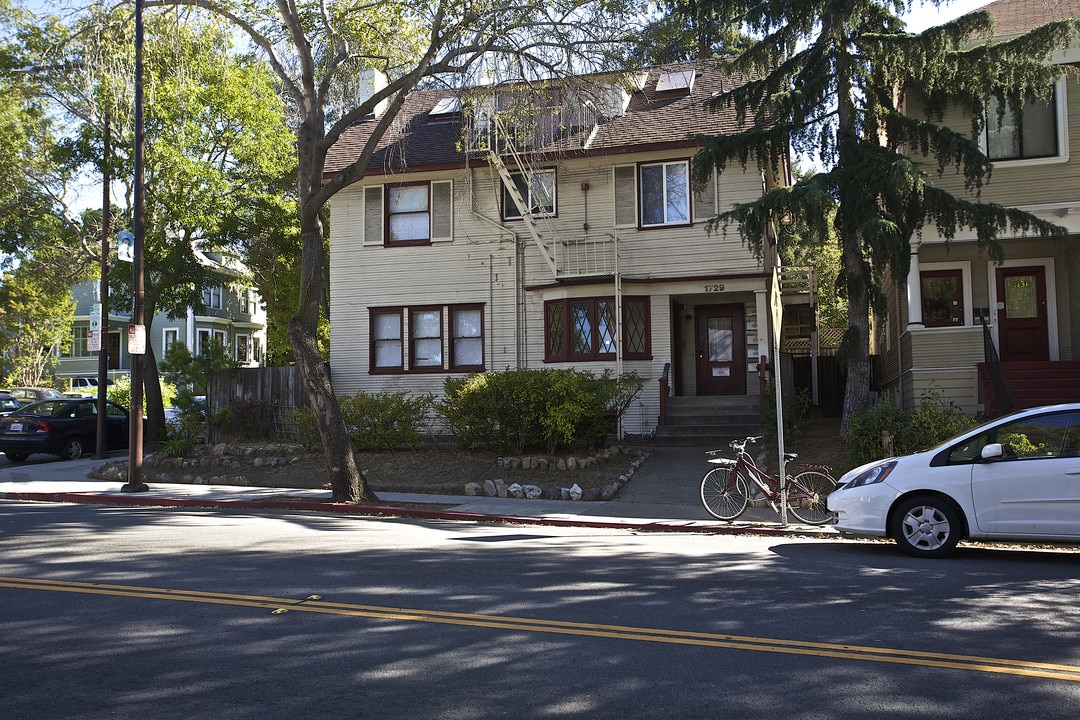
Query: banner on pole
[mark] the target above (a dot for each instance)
(93, 333)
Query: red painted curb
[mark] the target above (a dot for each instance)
(137, 500)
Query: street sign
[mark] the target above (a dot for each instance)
(137, 339)
(125, 247)
(93, 333)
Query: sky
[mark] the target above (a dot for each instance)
(924, 15)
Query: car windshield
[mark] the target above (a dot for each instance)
(8, 404)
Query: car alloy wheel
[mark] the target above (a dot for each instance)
(926, 526)
(73, 449)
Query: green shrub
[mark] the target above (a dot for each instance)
(120, 391)
(869, 428)
(182, 435)
(934, 421)
(384, 421)
(797, 402)
(519, 410)
(246, 420)
(307, 430)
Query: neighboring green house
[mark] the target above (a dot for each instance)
(234, 316)
(933, 337)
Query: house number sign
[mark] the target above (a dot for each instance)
(718, 287)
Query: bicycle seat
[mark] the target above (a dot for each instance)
(788, 457)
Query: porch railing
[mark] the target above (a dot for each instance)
(993, 369)
(665, 388)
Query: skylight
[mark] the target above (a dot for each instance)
(674, 81)
(446, 106)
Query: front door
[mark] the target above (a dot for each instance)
(1023, 330)
(720, 341)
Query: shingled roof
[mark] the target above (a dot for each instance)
(653, 119)
(1015, 17)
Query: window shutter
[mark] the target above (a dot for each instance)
(626, 196)
(705, 199)
(442, 211)
(373, 215)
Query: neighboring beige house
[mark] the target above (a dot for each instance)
(933, 338)
(498, 229)
(234, 316)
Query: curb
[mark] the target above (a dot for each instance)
(680, 526)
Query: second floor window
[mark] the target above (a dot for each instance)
(1030, 131)
(665, 194)
(408, 214)
(536, 189)
(211, 297)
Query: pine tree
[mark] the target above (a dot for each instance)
(832, 80)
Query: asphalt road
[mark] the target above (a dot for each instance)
(175, 613)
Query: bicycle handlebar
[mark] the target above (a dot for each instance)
(741, 444)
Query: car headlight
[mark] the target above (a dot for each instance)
(871, 475)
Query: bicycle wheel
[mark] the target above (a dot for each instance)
(807, 497)
(724, 493)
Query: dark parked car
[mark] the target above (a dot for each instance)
(8, 403)
(27, 395)
(66, 427)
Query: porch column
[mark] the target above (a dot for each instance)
(761, 305)
(914, 291)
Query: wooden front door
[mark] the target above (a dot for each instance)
(720, 343)
(1023, 329)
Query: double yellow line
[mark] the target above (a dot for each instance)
(315, 604)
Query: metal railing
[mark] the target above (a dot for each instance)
(1002, 395)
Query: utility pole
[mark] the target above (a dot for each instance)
(136, 330)
(101, 450)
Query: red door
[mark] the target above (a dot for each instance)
(1023, 330)
(720, 341)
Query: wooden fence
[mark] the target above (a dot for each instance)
(279, 387)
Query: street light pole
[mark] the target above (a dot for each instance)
(135, 419)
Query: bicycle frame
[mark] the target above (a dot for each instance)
(727, 489)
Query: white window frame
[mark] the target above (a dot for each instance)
(246, 338)
(212, 297)
(510, 210)
(965, 278)
(666, 222)
(1061, 104)
(165, 342)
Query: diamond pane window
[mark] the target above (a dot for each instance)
(593, 330)
(605, 326)
(634, 327)
(581, 322)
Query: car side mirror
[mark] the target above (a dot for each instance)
(992, 451)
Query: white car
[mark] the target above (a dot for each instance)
(1016, 478)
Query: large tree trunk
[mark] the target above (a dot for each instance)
(346, 480)
(856, 344)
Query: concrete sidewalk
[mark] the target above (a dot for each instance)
(662, 496)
